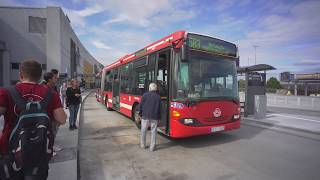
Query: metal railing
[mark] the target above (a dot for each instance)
(292, 102)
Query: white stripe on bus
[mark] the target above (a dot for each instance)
(159, 43)
(127, 106)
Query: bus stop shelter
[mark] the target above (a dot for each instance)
(255, 89)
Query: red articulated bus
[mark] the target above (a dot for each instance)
(196, 77)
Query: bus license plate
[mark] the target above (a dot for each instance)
(217, 129)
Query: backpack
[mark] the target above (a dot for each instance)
(31, 140)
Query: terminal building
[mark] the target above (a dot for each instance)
(46, 35)
(301, 84)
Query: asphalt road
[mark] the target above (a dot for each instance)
(108, 147)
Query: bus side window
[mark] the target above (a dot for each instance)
(126, 78)
(108, 84)
(140, 76)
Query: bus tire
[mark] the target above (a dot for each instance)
(135, 115)
(107, 104)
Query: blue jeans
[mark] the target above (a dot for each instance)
(73, 109)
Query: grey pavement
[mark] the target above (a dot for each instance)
(63, 166)
(109, 149)
(303, 120)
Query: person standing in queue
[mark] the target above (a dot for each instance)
(50, 80)
(74, 100)
(29, 91)
(55, 78)
(63, 90)
(149, 111)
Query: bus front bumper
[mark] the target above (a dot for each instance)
(179, 130)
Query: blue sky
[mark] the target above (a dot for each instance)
(287, 32)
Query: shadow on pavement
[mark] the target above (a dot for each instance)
(211, 139)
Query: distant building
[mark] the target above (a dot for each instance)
(301, 84)
(44, 34)
(286, 77)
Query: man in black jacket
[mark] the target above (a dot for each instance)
(149, 111)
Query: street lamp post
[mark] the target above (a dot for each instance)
(255, 54)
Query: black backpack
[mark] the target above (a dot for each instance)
(31, 140)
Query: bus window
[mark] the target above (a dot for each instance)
(108, 82)
(151, 68)
(162, 73)
(140, 76)
(126, 78)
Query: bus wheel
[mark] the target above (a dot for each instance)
(107, 104)
(136, 117)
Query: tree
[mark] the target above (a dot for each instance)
(242, 84)
(273, 83)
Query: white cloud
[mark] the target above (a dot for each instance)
(76, 20)
(100, 45)
(89, 11)
(286, 37)
(123, 42)
(77, 17)
(142, 13)
(223, 5)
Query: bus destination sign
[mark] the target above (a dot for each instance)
(208, 44)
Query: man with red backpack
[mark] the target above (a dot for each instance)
(26, 141)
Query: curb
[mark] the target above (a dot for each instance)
(77, 144)
(279, 126)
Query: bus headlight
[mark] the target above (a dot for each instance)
(189, 122)
(236, 116)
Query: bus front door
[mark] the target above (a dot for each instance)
(115, 90)
(162, 83)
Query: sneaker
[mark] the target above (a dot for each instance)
(75, 127)
(56, 148)
(70, 127)
(142, 146)
(152, 149)
(54, 154)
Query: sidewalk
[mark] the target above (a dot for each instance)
(64, 165)
(309, 124)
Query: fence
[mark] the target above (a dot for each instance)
(292, 102)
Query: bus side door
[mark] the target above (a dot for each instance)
(116, 89)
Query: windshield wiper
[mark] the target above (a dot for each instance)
(193, 101)
(233, 99)
(188, 101)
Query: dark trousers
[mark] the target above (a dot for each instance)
(73, 109)
(21, 176)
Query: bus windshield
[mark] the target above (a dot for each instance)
(205, 76)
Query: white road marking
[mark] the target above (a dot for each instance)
(311, 120)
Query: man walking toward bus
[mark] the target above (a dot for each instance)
(149, 111)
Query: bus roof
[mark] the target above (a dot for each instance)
(160, 44)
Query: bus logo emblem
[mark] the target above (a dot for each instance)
(217, 112)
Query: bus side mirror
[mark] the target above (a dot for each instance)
(184, 57)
